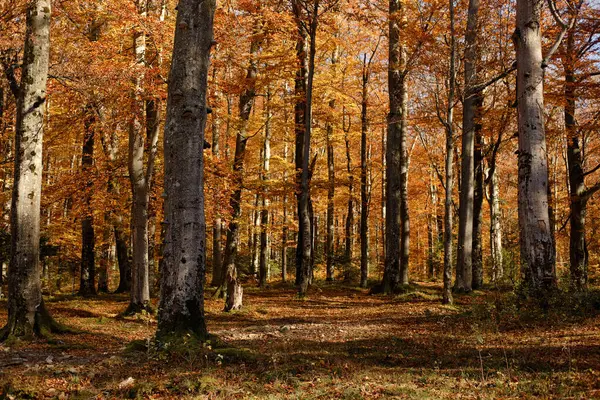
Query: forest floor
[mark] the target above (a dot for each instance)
(339, 343)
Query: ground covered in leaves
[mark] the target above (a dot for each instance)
(338, 343)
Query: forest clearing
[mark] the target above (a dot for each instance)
(339, 343)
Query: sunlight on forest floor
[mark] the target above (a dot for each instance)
(338, 343)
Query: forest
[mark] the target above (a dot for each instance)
(299, 199)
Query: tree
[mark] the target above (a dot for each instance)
(182, 279)
(234, 288)
(536, 232)
(464, 263)
(140, 175)
(27, 314)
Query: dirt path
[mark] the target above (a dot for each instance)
(338, 343)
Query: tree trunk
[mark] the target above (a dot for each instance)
(87, 285)
(395, 158)
(495, 227)
(234, 288)
(140, 175)
(184, 262)
(349, 238)
(329, 250)
(364, 200)
(284, 233)
(449, 178)
(578, 197)
(27, 314)
(477, 255)
(217, 256)
(464, 262)
(537, 243)
(304, 84)
(264, 213)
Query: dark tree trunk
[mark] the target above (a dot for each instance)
(87, 285)
(364, 195)
(396, 208)
(578, 252)
(182, 276)
(348, 233)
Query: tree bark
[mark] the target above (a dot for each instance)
(182, 276)
(264, 213)
(396, 245)
(537, 243)
(495, 226)
(217, 256)
(464, 262)
(449, 165)
(27, 315)
(364, 196)
(329, 250)
(348, 233)
(578, 252)
(140, 175)
(234, 288)
(87, 285)
(477, 255)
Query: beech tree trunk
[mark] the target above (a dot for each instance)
(364, 196)
(349, 238)
(184, 262)
(87, 279)
(495, 227)
(579, 195)
(27, 315)
(477, 255)
(217, 256)
(537, 243)
(140, 175)
(264, 213)
(329, 250)
(449, 164)
(396, 218)
(233, 299)
(464, 263)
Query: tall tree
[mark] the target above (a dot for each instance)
(184, 259)
(397, 222)
(536, 232)
(464, 263)
(234, 288)
(27, 314)
(140, 175)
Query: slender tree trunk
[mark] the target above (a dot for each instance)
(364, 198)
(464, 263)
(578, 197)
(537, 242)
(264, 213)
(27, 314)
(140, 175)
(234, 288)
(284, 233)
(329, 250)
(182, 277)
(449, 178)
(87, 285)
(217, 256)
(495, 227)
(348, 234)
(477, 255)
